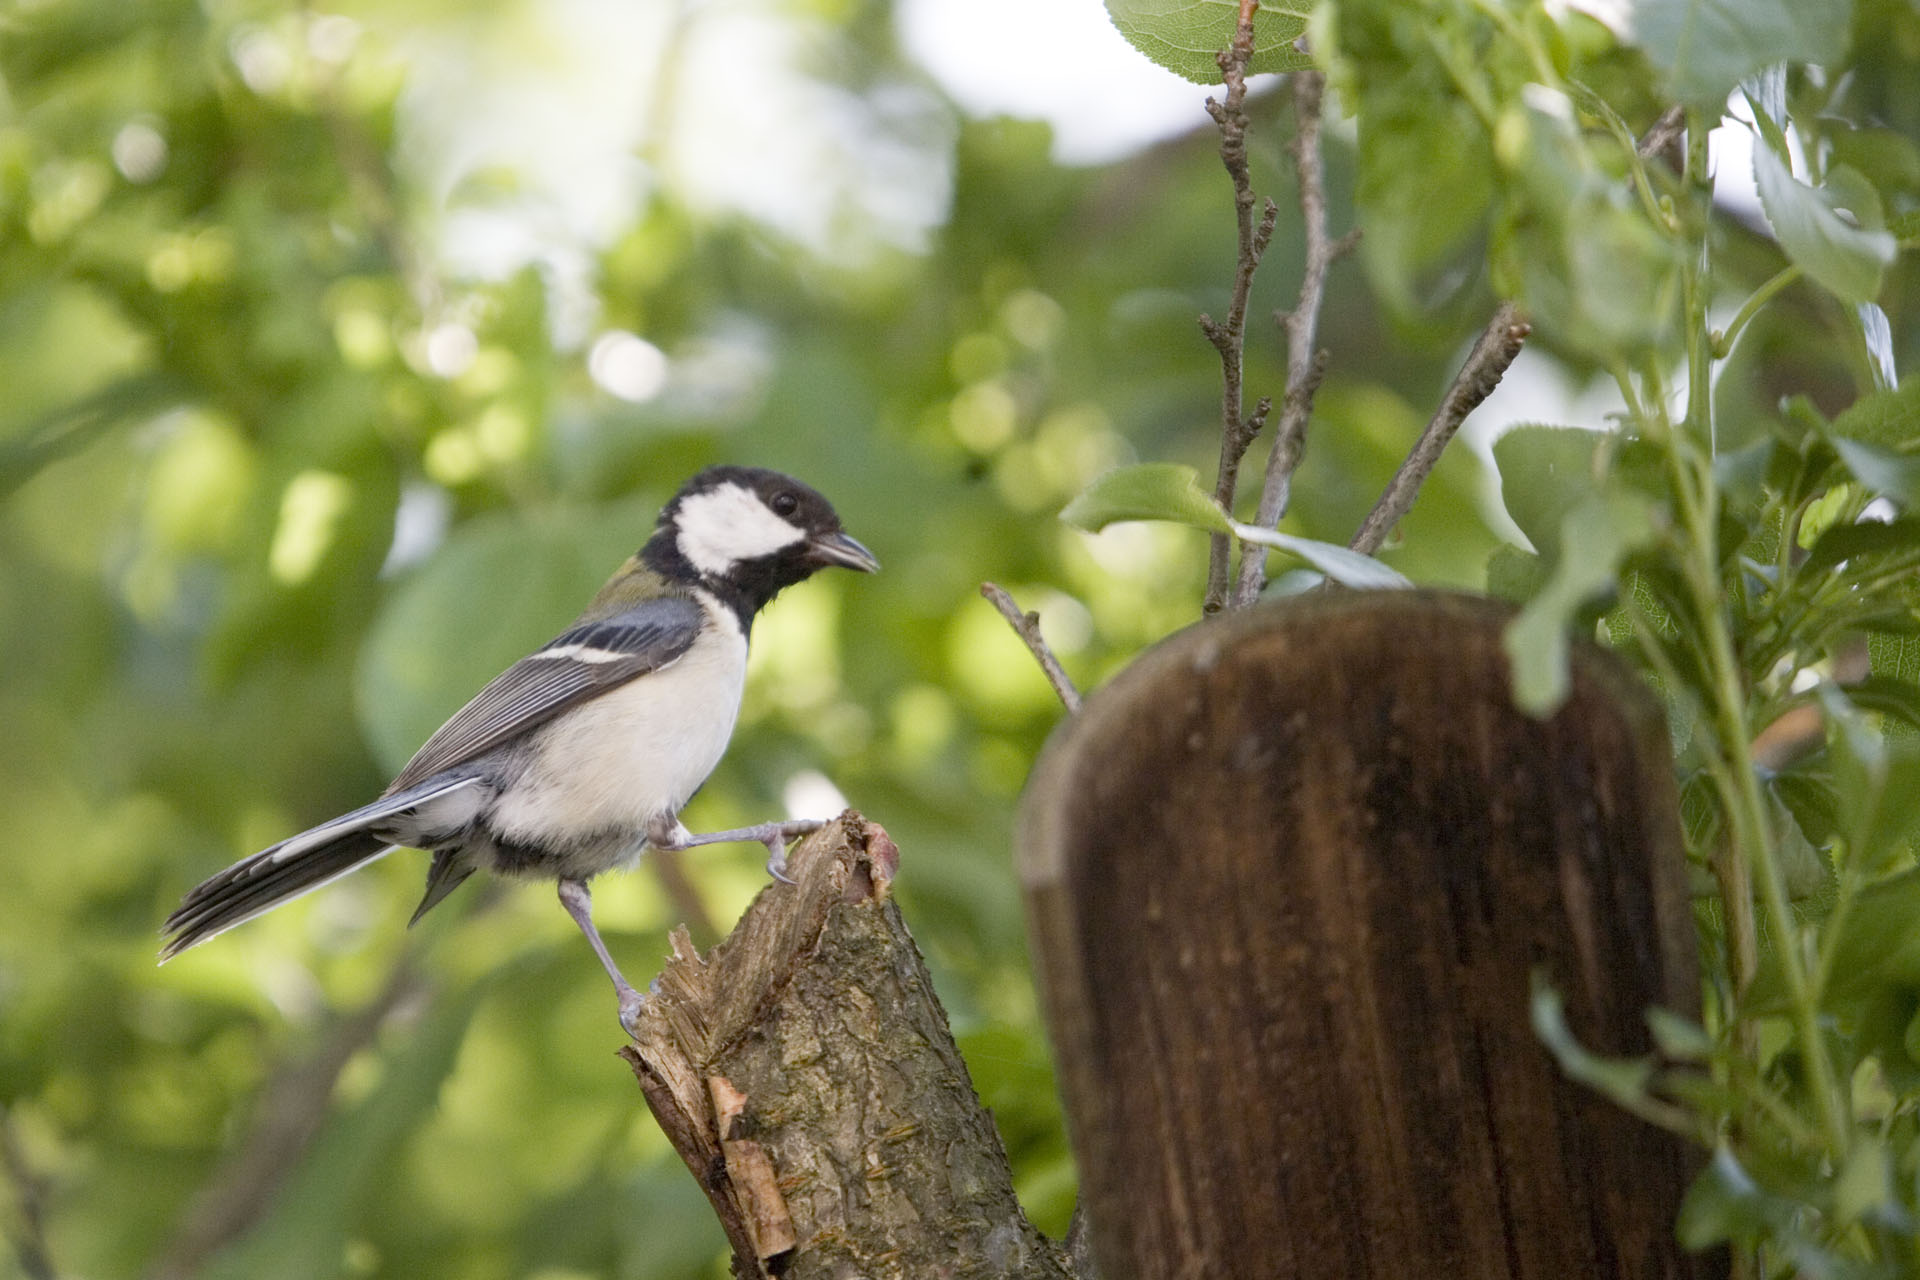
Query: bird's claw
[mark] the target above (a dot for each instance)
(632, 1003)
(777, 860)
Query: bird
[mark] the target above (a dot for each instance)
(580, 756)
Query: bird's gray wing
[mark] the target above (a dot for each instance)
(581, 663)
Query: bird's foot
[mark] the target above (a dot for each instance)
(775, 835)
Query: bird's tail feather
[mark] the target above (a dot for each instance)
(293, 867)
(258, 884)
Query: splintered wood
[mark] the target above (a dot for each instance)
(805, 1072)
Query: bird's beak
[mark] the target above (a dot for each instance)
(838, 548)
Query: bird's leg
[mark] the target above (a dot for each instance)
(774, 835)
(575, 897)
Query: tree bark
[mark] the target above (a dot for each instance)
(805, 1072)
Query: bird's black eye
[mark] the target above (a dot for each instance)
(785, 504)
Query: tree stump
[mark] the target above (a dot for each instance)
(804, 1071)
(1288, 878)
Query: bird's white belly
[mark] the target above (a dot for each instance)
(635, 753)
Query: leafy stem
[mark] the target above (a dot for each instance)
(1724, 340)
(1688, 454)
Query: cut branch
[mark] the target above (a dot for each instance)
(1237, 429)
(805, 1072)
(1027, 627)
(1493, 352)
(1305, 365)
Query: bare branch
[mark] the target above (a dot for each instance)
(1237, 430)
(29, 1238)
(1305, 365)
(670, 869)
(289, 1114)
(1027, 627)
(1664, 133)
(1493, 351)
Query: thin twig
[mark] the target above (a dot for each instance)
(1493, 351)
(30, 1190)
(1229, 339)
(1027, 627)
(291, 1109)
(670, 869)
(1305, 365)
(1661, 136)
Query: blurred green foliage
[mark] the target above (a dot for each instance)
(335, 378)
(291, 466)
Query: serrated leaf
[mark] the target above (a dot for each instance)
(1848, 259)
(1347, 567)
(1706, 47)
(1149, 491)
(1184, 36)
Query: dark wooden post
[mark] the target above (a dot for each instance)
(1288, 877)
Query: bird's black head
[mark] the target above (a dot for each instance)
(745, 533)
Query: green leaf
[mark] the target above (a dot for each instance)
(1848, 259)
(1878, 944)
(1424, 186)
(1890, 419)
(1185, 35)
(1725, 1203)
(1347, 567)
(1514, 574)
(1544, 471)
(1877, 778)
(1861, 540)
(1893, 475)
(1895, 657)
(1625, 1080)
(1149, 491)
(1802, 867)
(1706, 47)
(1679, 1038)
(1865, 1182)
(1602, 528)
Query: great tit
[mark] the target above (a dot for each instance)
(580, 756)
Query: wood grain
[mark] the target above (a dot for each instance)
(1288, 876)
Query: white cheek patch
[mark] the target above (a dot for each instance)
(723, 526)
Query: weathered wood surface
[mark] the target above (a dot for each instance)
(1288, 877)
(805, 1072)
